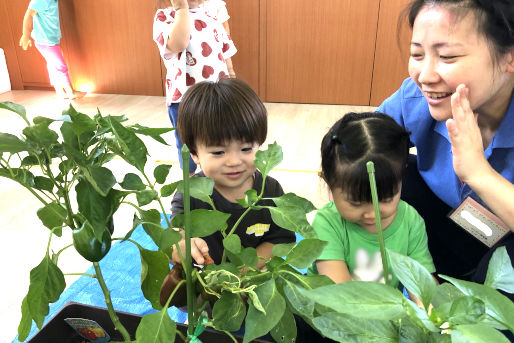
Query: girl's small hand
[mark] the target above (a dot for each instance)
(179, 4)
(25, 42)
(467, 147)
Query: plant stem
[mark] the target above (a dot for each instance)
(110, 308)
(191, 301)
(374, 197)
(81, 274)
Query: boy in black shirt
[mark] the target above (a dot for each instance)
(223, 124)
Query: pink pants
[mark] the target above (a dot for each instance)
(57, 69)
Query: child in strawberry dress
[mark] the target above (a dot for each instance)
(194, 47)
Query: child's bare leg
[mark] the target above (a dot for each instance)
(59, 91)
(73, 94)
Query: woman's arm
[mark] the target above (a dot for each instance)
(178, 39)
(469, 161)
(25, 41)
(335, 269)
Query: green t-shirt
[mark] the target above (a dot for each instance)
(360, 249)
(47, 30)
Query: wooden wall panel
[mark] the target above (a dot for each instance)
(322, 52)
(244, 28)
(32, 66)
(110, 46)
(391, 59)
(9, 45)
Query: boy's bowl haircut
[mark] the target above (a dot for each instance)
(214, 113)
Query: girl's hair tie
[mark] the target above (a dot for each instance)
(335, 139)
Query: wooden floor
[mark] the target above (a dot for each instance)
(298, 128)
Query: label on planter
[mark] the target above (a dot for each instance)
(89, 329)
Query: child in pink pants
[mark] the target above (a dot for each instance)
(41, 22)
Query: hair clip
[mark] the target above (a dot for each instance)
(335, 139)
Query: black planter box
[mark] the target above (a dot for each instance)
(57, 330)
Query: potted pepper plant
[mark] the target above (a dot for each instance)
(68, 171)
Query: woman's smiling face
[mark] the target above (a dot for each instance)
(447, 50)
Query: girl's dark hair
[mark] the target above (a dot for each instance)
(494, 19)
(357, 138)
(214, 113)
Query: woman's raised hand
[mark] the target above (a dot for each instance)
(467, 145)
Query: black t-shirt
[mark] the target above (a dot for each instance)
(255, 228)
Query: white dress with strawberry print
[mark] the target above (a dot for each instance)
(204, 57)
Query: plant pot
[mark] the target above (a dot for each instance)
(57, 330)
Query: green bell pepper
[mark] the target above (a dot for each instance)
(88, 246)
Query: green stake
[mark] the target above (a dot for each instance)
(370, 166)
(191, 301)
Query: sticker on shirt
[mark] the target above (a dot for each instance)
(257, 229)
(479, 222)
(368, 267)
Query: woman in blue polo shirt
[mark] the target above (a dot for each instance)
(458, 105)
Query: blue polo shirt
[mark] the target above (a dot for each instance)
(47, 30)
(409, 108)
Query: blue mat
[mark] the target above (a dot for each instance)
(122, 272)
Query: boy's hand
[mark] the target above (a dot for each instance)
(179, 4)
(199, 251)
(25, 42)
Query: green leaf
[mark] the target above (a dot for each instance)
(228, 312)
(133, 148)
(285, 330)
(498, 306)
(11, 143)
(46, 285)
(25, 322)
(80, 122)
(500, 274)
(282, 249)
(43, 183)
(40, 135)
(232, 243)
(29, 161)
(168, 238)
(145, 197)
(259, 323)
(155, 133)
(466, 310)
(43, 120)
(156, 327)
(132, 182)
(22, 176)
(445, 293)
(266, 160)
(15, 108)
(412, 333)
(347, 328)
(292, 219)
(293, 200)
(53, 215)
(154, 268)
(415, 277)
(249, 257)
(161, 172)
(360, 299)
(203, 222)
(101, 178)
(301, 304)
(200, 188)
(152, 226)
(305, 252)
(477, 334)
(419, 316)
(168, 190)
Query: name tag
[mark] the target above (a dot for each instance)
(479, 222)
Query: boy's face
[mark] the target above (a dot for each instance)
(230, 165)
(363, 214)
